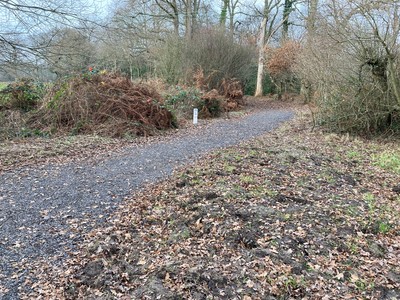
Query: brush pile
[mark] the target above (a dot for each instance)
(228, 97)
(232, 91)
(105, 104)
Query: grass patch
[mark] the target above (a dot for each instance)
(389, 160)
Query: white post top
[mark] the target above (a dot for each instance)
(195, 115)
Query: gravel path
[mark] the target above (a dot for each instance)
(41, 209)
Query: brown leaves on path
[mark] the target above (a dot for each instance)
(294, 214)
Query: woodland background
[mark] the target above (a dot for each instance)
(341, 56)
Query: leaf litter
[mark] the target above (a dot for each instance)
(294, 214)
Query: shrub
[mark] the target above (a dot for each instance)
(216, 53)
(352, 73)
(169, 60)
(281, 66)
(209, 103)
(22, 95)
(182, 100)
(11, 123)
(212, 104)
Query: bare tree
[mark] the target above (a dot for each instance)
(311, 17)
(23, 22)
(372, 30)
(130, 57)
(181, 14)
(353, 63)
(69, 51)
(233, 11)
(288, 7)
(172, 11)
(383, 21)
(269, 26)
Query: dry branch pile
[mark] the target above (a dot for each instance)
(212, 104)
(233, 92)
(228, 98)
(106, 104)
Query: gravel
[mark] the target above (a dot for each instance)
(43, 209)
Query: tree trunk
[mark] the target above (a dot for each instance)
(176, 26)
(311, 18)
(393, 80)
(131, 70)
(306, 88)
(188, 19)
(195, 13)
(287, 9)
(231, 24)
(232, 5)
(261, 57)
(224, 12)
(176, 17)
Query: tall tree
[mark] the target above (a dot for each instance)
(191, 12)
(224, 12)
(171, 8)
(268, 28)
(287, 9)
(311, 18)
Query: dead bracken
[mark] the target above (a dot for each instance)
(105, 104)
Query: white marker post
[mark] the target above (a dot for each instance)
(195, 115)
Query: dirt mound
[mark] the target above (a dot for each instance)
(105, 104)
